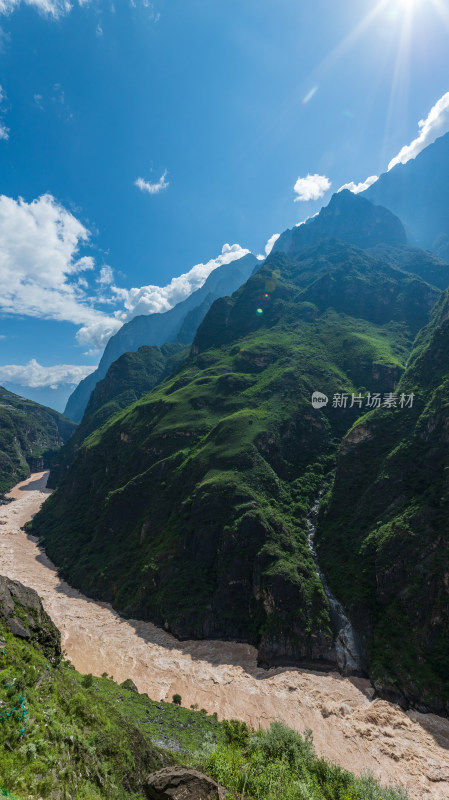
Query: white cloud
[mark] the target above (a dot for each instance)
(4, 131)
(38, 98)
(51, 8)
(40, 266)
(152, 188)
(356, 188)
(153, 299)
(312, 187)
(99, 30)
(271, 242)
(36, 376)
(435, 125)
(43, 273)
(106, 275)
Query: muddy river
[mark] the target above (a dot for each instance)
(408, 749)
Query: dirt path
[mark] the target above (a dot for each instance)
(406, 749)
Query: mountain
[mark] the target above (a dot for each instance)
(417, 193)
(190, 507)
(349, 218)
(416, 261)
(127, 379)
(27, 432)
(385, 552)
(178, 324)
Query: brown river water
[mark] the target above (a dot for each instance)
(349, 728)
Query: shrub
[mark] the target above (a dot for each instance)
(88, 680)
(177, 700)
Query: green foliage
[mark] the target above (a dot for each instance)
(98, 741)
(176, 699)
(386, 554)
(188, 507)
(236, 732)
(29, 436)
(280, 764)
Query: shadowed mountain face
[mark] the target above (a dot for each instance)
(349, 218)
(177, 325)
(189, 507)
(27, 432)
(417, 193)
(384, 534)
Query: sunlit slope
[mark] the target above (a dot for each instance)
(127, 379)
(188, 508)
(386, 552)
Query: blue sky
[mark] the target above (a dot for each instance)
(143, 137)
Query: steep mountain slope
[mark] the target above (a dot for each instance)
(189, 507)
(349, 218)
(27, 431)
(420, 262)
(178, 324)
(127, 379)
(386, 552)
(417, 193)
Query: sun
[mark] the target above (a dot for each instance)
(409, 5)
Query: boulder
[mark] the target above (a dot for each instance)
(182, 783)
(22, 613)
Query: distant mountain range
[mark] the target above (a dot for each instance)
(177, 325)
(417, 192)
(28, 434)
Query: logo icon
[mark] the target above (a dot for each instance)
(319, 400)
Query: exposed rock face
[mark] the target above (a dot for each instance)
(22, 613)
(181, 783)
(349, 218)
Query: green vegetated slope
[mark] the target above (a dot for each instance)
(27, 432)
(66, 736)
(188, 508)
(127, 379)
(386, 552)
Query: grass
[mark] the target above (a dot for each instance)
(204, 483)
(90, 738)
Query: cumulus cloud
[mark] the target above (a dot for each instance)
(152, 188)
(271, 242)
(41, 268)
(312, 187)
(435, 125)
(356, 188)
(36, 376)
(44, 275)
(153, 299)
(51, 8)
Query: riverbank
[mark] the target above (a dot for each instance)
(409, 749)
